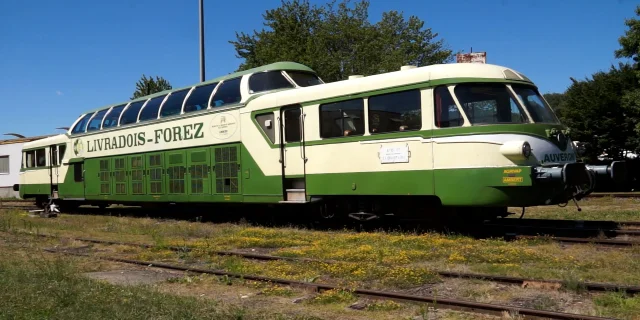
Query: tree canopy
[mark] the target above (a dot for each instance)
(340, 41)
(146, 86)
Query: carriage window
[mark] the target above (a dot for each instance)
(61, 148)
(150, 111)
(82, 124)
(489, 103)
(30, 159)
(539, 110)
(447, 114)
(265, 121)
(228, 93)
(173, 105)
(95, 123)
(4, 164)
(199, 98)
(341, 119)
(41, 158)
(398, 111)
(111, 119)
(304, 79)
(77, 172)
(131, 114)
(292, 125)
(270, 80)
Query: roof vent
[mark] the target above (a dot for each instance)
(407, 68)
(355, 76)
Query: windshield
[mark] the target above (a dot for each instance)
(489, 103)
(539, 110)
(304, 79)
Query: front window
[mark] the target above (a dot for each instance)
(304, 79)
(539, 110)
(489, 103)
(270, 80)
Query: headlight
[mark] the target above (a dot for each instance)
(518, 150)
(526, 149)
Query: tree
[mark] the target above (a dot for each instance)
(630, 42)
(555, 100)
(338, 42)
(146, 86)
(594, 110)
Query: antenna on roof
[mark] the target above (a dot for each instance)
(63, 128)
(15, 135)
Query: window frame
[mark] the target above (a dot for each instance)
(180, 106)
(508, 90)
(88, 114)
(218, 87)
(449, 89)
(8, 157)
(147, 104)
(124, 107)
(101, 121)
(120, 124)
(364, 102)
(193, 89)
(292, 84)
(417, 91)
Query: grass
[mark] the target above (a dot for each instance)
(379, 260)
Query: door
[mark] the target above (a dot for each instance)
(176, 175)
(74, 189)
(226, 171)
(136, 176)
(155, 169)
(292, 152)
(120, 176)
(199, 163)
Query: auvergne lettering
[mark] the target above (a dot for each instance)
(559, 157)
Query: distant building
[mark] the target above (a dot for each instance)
(10, 164)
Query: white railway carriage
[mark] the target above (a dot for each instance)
(463, 136)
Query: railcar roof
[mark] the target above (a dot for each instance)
(283, 65)
(438, 72)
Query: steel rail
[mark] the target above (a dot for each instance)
(472, 306)
(604, 242)
(590, 286)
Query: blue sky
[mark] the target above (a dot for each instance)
(60, 58)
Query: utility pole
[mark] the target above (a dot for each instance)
(201, 40)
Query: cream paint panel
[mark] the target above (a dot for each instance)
(41, 176)
(365, 157)
(484, 151)
(219, 127)
(267, 158)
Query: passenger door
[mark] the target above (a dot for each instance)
(199, 163)
(292, 153)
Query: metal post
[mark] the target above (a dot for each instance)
(201, 41)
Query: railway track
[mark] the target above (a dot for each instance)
(614, 194)
(590, 286)
(455, 304)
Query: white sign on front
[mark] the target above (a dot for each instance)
(394, 154)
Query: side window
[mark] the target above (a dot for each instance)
(199, 98)
(30, 159)
(4, 164)
(111, 119)
(150, 111)
(95, 123)
(54, 155)
(131, 114)
(228, 93)
(82, 124)
(266, 122)
(341, 119)
(41, 158)
(173, 105)
(446, 112)
(398, 111)
(292, 125)
(62, 149)
(270, 80)
(77, 172)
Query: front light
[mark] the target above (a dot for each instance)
(526, 150)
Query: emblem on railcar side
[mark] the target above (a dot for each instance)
(223, 126)
(78, 147)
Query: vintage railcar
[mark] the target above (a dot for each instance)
(474, 137)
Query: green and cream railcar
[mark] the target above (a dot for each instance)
(455, 135)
